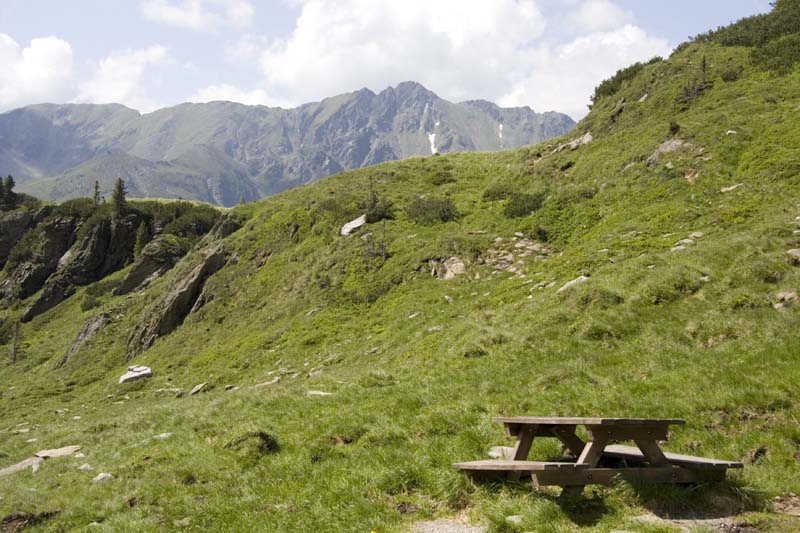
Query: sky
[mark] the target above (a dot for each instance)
(148, 54)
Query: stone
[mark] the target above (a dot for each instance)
(666, 147)
(443, 525)
(696, 235)
(318, 393)
(685, 242)
(162, 436)
(731, 132)
(788, 504)
(85, 467)
(58, 452)
(353, 225)
(785, 299)
(103, 476)
(573, 283)
(677, 248)
(794, 256)
(514, 520)
(454, 267)
(183, 522)
(449, 299)
(89, 329)
(79, 455)
(730, 188)
(31, 462)
(501, 452)
(267, 383)
(135, 372)
(197, 388)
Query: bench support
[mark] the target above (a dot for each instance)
(574, 480)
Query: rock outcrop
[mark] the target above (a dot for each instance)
(13, 225)
(105, 248)
(135, 372)
(89, 329)
(166, 315)
(159, 256)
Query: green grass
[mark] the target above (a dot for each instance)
(654, 333)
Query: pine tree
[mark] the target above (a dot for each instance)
(96, 194)
(142, 238)
(119, 204)
(7, 196)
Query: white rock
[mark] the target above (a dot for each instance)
(413, 315)
(57, 452)
(318, 393)
(731, 132)
(576, 281)
(696, 235)
(104, 476)
(794, 256)
(273, 381)
(79, 455)
(731, 187)
(85, 467)
(353, 225)
(501, 452)
(454, 267)
(677, 248)
(514, 519)
(643, 98)
(135, 372)
(163, 436)
(687, 242)
(197, 388)
(448, 298)
(32, 462)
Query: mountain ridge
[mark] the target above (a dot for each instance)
(51, 149)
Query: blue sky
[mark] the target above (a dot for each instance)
(146, 54)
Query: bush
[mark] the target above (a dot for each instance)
(521, 205)
(758, 30)
(778, 56)
(89, 302)
(497, 191)
(431, 210)
(377, 208)
(671, 286)
(613, 84)
(730, 75)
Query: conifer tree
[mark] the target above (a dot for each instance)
(142, 238)
(119, 203)
(96, 194)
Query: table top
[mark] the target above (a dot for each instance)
(583, 421)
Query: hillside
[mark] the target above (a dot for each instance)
(221, 152)
(344, 374)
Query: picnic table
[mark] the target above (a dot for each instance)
(598, 460)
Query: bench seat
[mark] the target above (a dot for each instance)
(505, 465)
(619, 451)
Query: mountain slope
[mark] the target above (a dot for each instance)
(57, 151)
(678, 201)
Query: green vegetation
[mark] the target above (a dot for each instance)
(680, 317)
(119, 203)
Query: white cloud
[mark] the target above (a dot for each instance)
(199, 15)
(40, 72)
(247, 49)
(461, 47)
(231, 93)
(120, 78)
(564, 77)
(599, 15)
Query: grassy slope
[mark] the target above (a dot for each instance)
(646, 336)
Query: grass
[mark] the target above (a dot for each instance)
(417, 366)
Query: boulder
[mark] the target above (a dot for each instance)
(197, 388)
(57, 452)
(135, 372)
(159, 256)
(89, 329)
(453, 267)
(104, 476)
(353, 225)
(794, 256)
(574, 282)
(166, 315)
(225, 226)
(666, 147)
(785, 299)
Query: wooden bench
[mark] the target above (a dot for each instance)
(652, 464)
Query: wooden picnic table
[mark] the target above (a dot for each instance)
(644, 462)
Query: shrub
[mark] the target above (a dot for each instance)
(441, 177)
(613, 84)
(497, 191)
(377, 208)
(431, 210)
(671, 286)
(730, 75)
(89, 302)
(521, 204)
(778, 56)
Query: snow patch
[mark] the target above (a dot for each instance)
(500, 131)
(436, 123)
(432, 139)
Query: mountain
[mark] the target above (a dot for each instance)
(306, 378)
(221, 152)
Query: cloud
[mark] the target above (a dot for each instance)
(199, 15)
(563, 77)
(463, 46)
(462, 49)
(231, 93)
(120, 78)
(38, 73)
(599, 15)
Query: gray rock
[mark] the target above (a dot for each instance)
(666, 147)
(135, 372)
(794, 256)
(85, 467)
(730, 188)
(501, 452)
(454, 267)
(197, 388)
(57, 452)
(166, 315)
(103, 476)
(318, 393)
(89, 329)
(158, 257)
(273, 381)
(573, 283)
(514, 520)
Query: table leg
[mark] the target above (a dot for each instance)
(652, 452)
(591, 454)
(523, 446)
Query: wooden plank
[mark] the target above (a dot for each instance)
(593, 451)
(506, 465)
(523, 446)
(633, 453)
(569, 420)
(605, 476)
(652, 452)
(624, 432)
